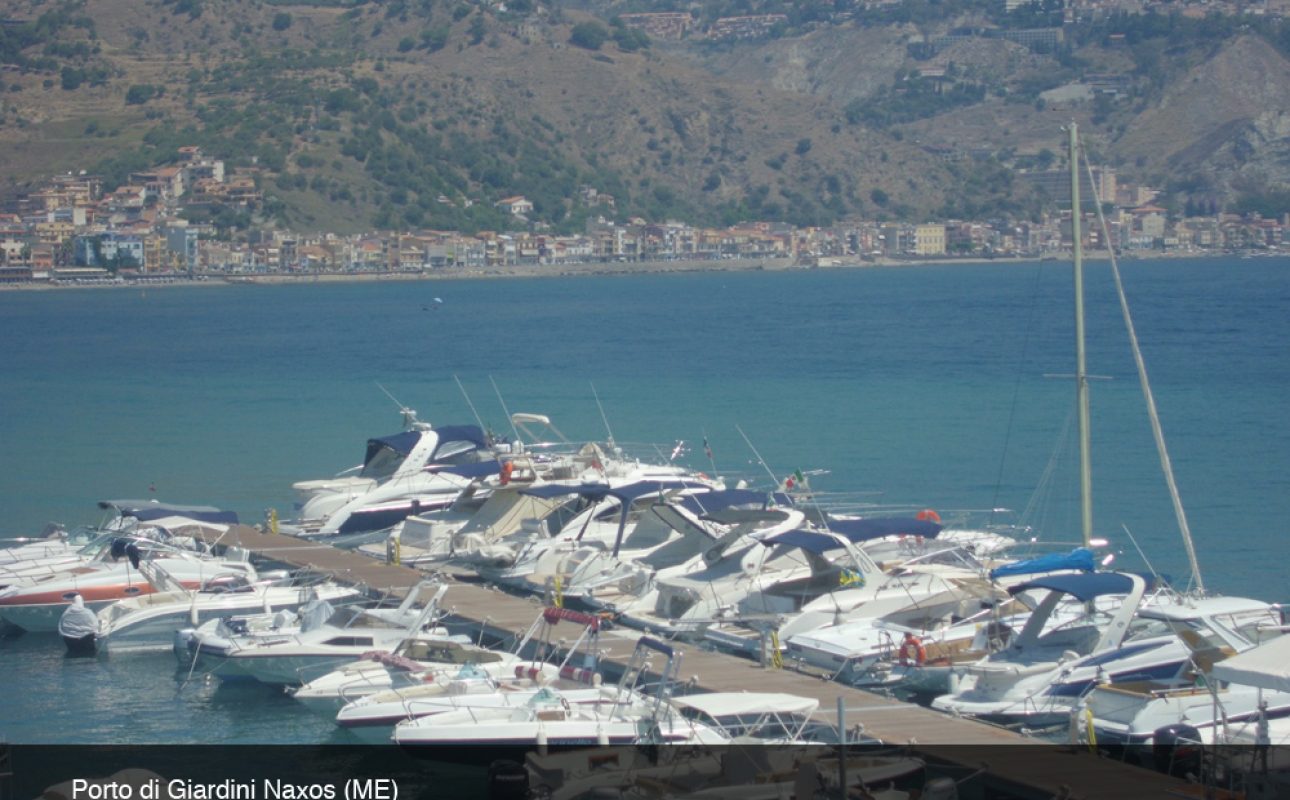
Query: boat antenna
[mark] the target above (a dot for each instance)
(505, 410)
(773, 480)
(409, 415)
(1150, 568)
(482, 426)
(1157, 431)
(603, 418)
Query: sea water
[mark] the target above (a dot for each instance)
(938, 386)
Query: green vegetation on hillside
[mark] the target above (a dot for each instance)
(424, 113)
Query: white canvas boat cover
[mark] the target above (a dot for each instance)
(1266, 666)
(77, 620)
(721, 704)
(177, 524)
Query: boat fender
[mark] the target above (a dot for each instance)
(530, 673)
(507, 469)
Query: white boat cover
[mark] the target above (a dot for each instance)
(314, 613)
(77, 620)
(1266, 666)
(720, 704)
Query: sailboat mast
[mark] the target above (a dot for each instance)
(1081, 368)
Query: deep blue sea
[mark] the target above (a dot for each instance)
(933, 386)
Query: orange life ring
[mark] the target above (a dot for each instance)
(928, 515)
(912, 648)
(504, 476)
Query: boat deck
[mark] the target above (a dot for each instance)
(1035, 771)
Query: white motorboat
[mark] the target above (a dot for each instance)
(218, 633)
(582, 555)
(917, 647)
(294, 658)
(866, 651)
(686, 604)
(786, 576)
(948, 578)
(53, 542)
(550, 718)
(1044, 669)
(422, 468)
(37, 606)
(505, 681)
(149, 622)
(491, 508)
(607, 511)
(415, 662)
(420, 662)
(131, 519)
(707, 526)
(1215, 629)
(490, 532)
(770, 749)
(481, 515)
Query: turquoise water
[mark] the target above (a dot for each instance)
(917, 386)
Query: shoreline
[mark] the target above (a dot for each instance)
(781, 264)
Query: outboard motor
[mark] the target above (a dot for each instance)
(1176, 749)
(507, 780)
(79, 627)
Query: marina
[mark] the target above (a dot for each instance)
(486, 611)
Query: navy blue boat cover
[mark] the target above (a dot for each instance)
(1079, 558)
(1081, 585)
(598, 491)
(811, 541)
(862, 530)
(462, 433)
(476, 470)
(403, 443)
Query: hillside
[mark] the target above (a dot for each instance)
(423, 114)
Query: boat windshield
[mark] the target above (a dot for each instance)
(81, 536)
(383, 463)
(947, 557)
(351, 617)
(1255, 626)
(446, 652)
(1233, 631)
(456, 451)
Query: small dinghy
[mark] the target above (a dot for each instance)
(79, 628)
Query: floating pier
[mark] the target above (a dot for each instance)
(1039, 771)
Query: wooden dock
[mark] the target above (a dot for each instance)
(1037, 769)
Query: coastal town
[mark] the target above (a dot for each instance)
(73, 231)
